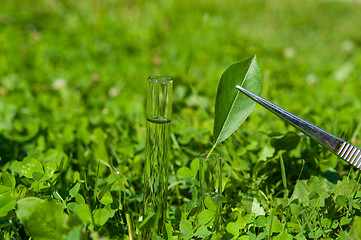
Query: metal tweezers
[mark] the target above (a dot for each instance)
(341, 148)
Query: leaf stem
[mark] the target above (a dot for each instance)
(210, 152)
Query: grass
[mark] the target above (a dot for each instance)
(72, 93)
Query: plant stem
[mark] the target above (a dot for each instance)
(303, 164)
(210, 152)
(130, 226)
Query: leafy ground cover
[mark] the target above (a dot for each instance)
(72, 97)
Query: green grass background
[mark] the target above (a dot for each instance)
(73, 77)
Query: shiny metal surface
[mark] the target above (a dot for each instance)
(346, 151)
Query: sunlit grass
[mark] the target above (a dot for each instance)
(73, 81)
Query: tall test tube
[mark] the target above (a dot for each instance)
(210, 181)
(159, 111)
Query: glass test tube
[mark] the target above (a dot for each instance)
(159, 110)
(210, 181)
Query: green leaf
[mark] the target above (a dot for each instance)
(287, 142)
(83, 212)
(169, 230)
(300, 237)
(313, 195)
(104, 195)
(195, 166)
(260, 221)
(202, 232)
(49, 168)
(283, 172)
(233, 228)
(243, 221)
(341, 200)
(295, 209)
(300, 191)
(233, 107)
(274, 223)
(107, 198)
(262, 235)
(293, 226)
(74, 234)
(283, 236)
(29, 166)
(4, 189)
(244, 237)
(210, 203)
(345, 221)
(253, 206)
(74, 190)
(326, 223)
(206, 216)
(356, 229)
(37, 176)
(257, 209)
(8, 180)
(59, 157)
(345, 187)
(266, 152)
(79, 198)
(42, 219)
(185, 228)
(184, 172)
(71, 205)
(101, 216)
(7, 203)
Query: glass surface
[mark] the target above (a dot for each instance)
(210, 181)
(159, 98)
(159, 107)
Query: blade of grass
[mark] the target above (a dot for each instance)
(308, 223)
(130, 226)
(303, 165)
(96, 184)
(283, 175)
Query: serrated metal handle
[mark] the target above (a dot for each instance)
(350, 154)
(344, 150)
